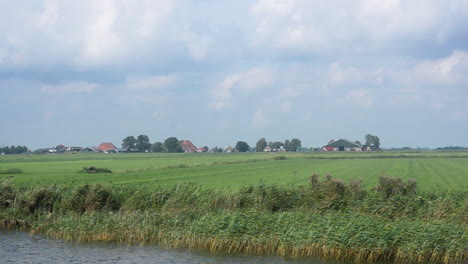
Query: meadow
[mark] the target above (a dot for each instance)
(385, 207)
(432, 170)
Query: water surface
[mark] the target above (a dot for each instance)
(21, 247)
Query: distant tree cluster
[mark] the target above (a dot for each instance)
(288, 145)
(140, 144)
(452, 148)
(242, 146)
(373, 141)
(14, 150)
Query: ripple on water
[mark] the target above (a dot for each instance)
(21, 247)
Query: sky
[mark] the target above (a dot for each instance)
(216, 72)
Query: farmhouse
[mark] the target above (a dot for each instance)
(187, 146)
(91, 149)
(229, 149)
(107, 147)
(342, 145)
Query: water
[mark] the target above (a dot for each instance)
(21, 247)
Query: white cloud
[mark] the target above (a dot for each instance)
(449, 70)
(70, 87)
(338, 75)
(50, 15)
(259, 119)
(356, 26)
(252, 80)
(152, 82)
(285, 106)
(48, 115)
(289, 92)
(359, 97)
(198, 45)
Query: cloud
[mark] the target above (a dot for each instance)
(338, 75)
(259, 119)
(249, 81)
(70, 87)
(151, 83)
(289, 92)
(359, 97)
(449, 70)
(49, 115)
(285, 106)
(356, 27)
(197, 44)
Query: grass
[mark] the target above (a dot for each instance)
(446, 170)
(326, 218)
(287, 204)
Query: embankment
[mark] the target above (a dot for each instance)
(330, 219)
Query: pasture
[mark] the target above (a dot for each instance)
(432, 170)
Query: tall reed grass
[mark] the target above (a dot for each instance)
(327, 218)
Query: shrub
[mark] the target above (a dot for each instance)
(280, 158)
(391, 186)
(7, 194)
(11, 171)
(42, 201)
(93, 169)
(93, 198)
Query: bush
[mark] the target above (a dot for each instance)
(280, 158)
(11, 171)
(390, 186)
(7, 194)
(93, 198)
(93, 169)
(41, 201)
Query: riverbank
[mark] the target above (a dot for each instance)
(329, 219)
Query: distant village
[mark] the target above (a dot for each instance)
(188, 147)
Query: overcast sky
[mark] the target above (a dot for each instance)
(216, 72)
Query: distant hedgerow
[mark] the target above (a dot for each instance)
(11, 171)
(93, 169)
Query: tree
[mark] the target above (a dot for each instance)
(129, 142)
(295, 144)
(19, 150)
(358, 142)
(261, 144)
(12, 150)
(142, 143)
(287, 145)
(242, 146)
(216, 149)
(6, 150)
(157, 147)
(277, 145)
(172, 145)
(372, 141)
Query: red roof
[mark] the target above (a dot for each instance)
(187, 146)
(106, 146)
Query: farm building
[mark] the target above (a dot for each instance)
(187, 146)
(229, 149)
(107, 147)
(342, 145)
(91, 149)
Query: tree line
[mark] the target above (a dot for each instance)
(173, 145)
(142, 144)
(288, 145)
(14, 150)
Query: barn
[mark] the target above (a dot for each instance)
(342, 145)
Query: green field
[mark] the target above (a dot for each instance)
(432, 170)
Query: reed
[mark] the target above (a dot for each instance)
(328, 219)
